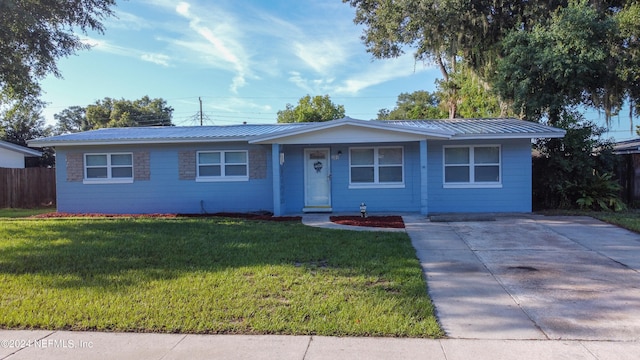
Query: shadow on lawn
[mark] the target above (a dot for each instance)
(211, 276)
(116, 254)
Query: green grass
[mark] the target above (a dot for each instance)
(629, 219)
(18, 213)
(214, 275)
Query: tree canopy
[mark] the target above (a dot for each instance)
(114, 113)
(316, 109)
(414, 106)
(512, 44)
(21, 121)
(472, 97)
(572, 58)
(36, 33)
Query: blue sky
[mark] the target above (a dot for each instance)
(245, 59)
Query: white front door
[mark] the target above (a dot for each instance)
(317, 180)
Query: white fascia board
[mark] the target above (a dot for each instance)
(553, 135)
(44, 142)
(20, 149)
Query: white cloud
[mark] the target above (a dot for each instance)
(379, 72)
(217, 41)
(159, 59)
(313, 86)
(238, 105)
(107, 47)
(183, 9)
(128, 21)
(323, 55)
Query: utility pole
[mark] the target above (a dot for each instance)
(199, 99)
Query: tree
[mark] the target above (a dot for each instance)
(577, 170)
(488, 35)
(472, 96)
(36, 33)
(316, 109)
(476, 98)
(23, 121)
(114, 113)
(563, 62)
(71, 120)
(445, 31)
(414, 106)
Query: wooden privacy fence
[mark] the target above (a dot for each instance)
(27, 188)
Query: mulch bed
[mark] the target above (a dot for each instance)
(370, 221)
(247, 216)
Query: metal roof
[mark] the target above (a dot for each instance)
(162, 134)
(627, 147)
(490, 127)
(20, 149)
(453, 129)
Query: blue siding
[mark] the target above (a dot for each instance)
(514, 196)
(343, 199)
(164, 192)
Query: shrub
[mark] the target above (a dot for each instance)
(575, 171)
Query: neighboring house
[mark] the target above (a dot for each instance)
(13, 156)
(629, 172)
(443, 166)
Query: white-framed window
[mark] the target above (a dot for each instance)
(105, 168)
(381, 166)
(472, 166)
(223, 165)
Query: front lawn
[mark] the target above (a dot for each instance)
(17, 213)
(210, 275)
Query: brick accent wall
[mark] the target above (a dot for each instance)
(187, 165)
(257, 164)
(141, 166)
(75, 166)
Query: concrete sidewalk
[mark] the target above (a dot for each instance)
(69, 345)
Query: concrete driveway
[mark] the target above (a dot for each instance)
(532, 277)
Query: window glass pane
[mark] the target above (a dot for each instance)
(121, 172)
(96, 160)
(121, 159)
(361, 156)
(209, 158)
(97, 173)
(362, 175)
(454, 174)
(456, 155)
(235, 170)
(486, 155)
(390, 156)
(487, 173)
(235, 157)
(209, 170)
(390, 174)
